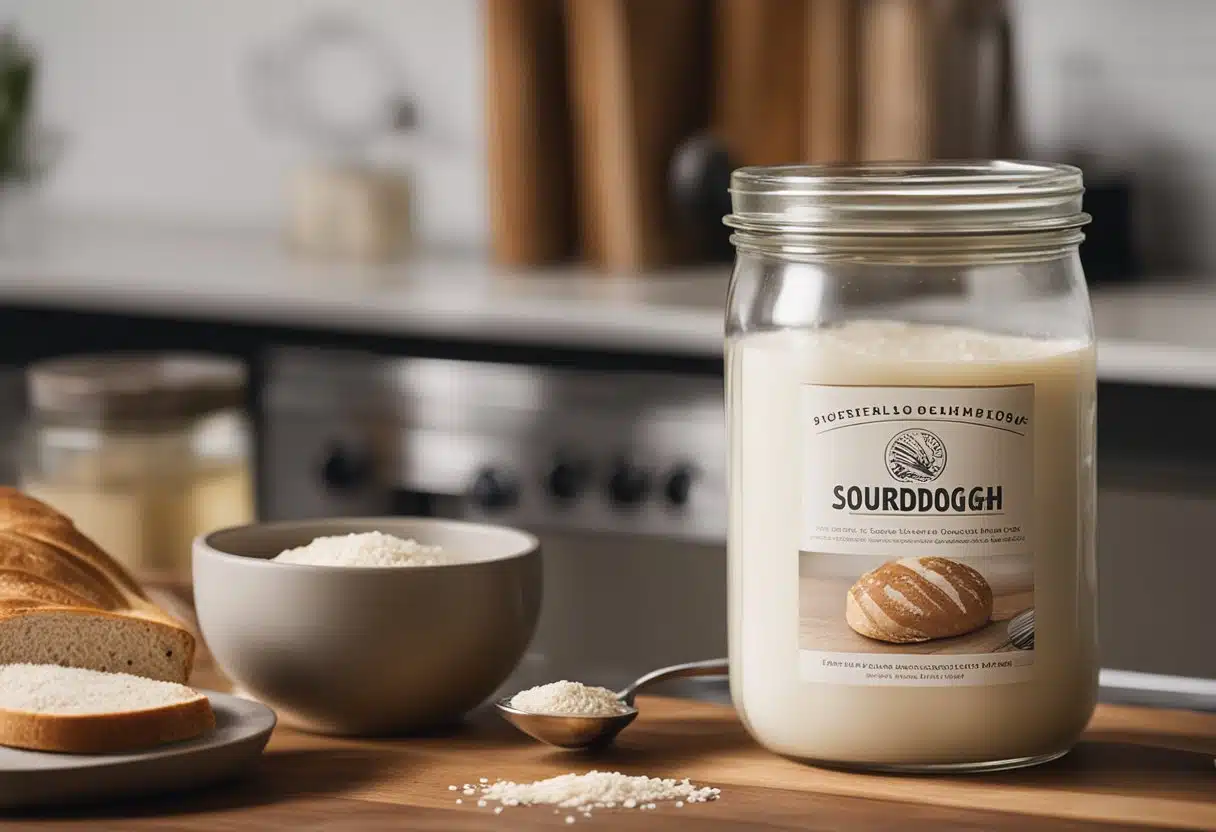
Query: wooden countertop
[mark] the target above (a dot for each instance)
(1136, 768)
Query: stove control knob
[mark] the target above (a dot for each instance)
(679, 484)
(566, 480)
(344, 469)
(628, 485)
(494, 490)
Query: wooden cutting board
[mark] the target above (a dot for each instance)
(831, 93)
(895, 103)
(528, 140)
(1137, 768)
(760, 74)
(638, 88)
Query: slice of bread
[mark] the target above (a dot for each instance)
(65, 601)
(66, 709)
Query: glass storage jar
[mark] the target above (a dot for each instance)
(143, 452)
(911, 405)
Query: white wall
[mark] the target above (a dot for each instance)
(1148, 107)
(156, 99)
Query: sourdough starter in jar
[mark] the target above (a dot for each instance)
(911, 537)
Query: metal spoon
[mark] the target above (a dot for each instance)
(566, 731)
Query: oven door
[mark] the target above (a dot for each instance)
(617, 606)
(1155, 569)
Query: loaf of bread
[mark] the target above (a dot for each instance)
(67, 709)
(64, 601)
(918, 599)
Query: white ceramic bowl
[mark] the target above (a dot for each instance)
(368, 651)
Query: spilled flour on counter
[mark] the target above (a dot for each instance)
(569, 699)
(366, 549)
(583, 793)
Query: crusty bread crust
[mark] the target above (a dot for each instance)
(35, 519)
(106, 733)
(48, 566)
(20, 551)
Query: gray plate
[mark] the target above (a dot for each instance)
(33, 778)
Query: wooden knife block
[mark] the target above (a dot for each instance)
(591, 97)
(639, 86)
(588, 101)
(528, 138)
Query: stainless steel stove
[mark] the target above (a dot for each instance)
(621, 475)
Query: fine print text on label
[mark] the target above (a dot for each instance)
(916, 671)
(983, 535)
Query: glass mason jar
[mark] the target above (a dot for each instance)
(143, 452)
(911, 402)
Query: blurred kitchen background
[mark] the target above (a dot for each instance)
(464, 257)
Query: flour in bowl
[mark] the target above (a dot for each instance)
(366, 549)
(569, 699)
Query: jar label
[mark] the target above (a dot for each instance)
(916, 563)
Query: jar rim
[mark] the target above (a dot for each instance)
(900, 198)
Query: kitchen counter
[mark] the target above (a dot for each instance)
(1151, 333)
(1137, 767)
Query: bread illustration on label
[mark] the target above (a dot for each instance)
(918, 599)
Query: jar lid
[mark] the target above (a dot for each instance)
(139, 387)
(905, 198)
